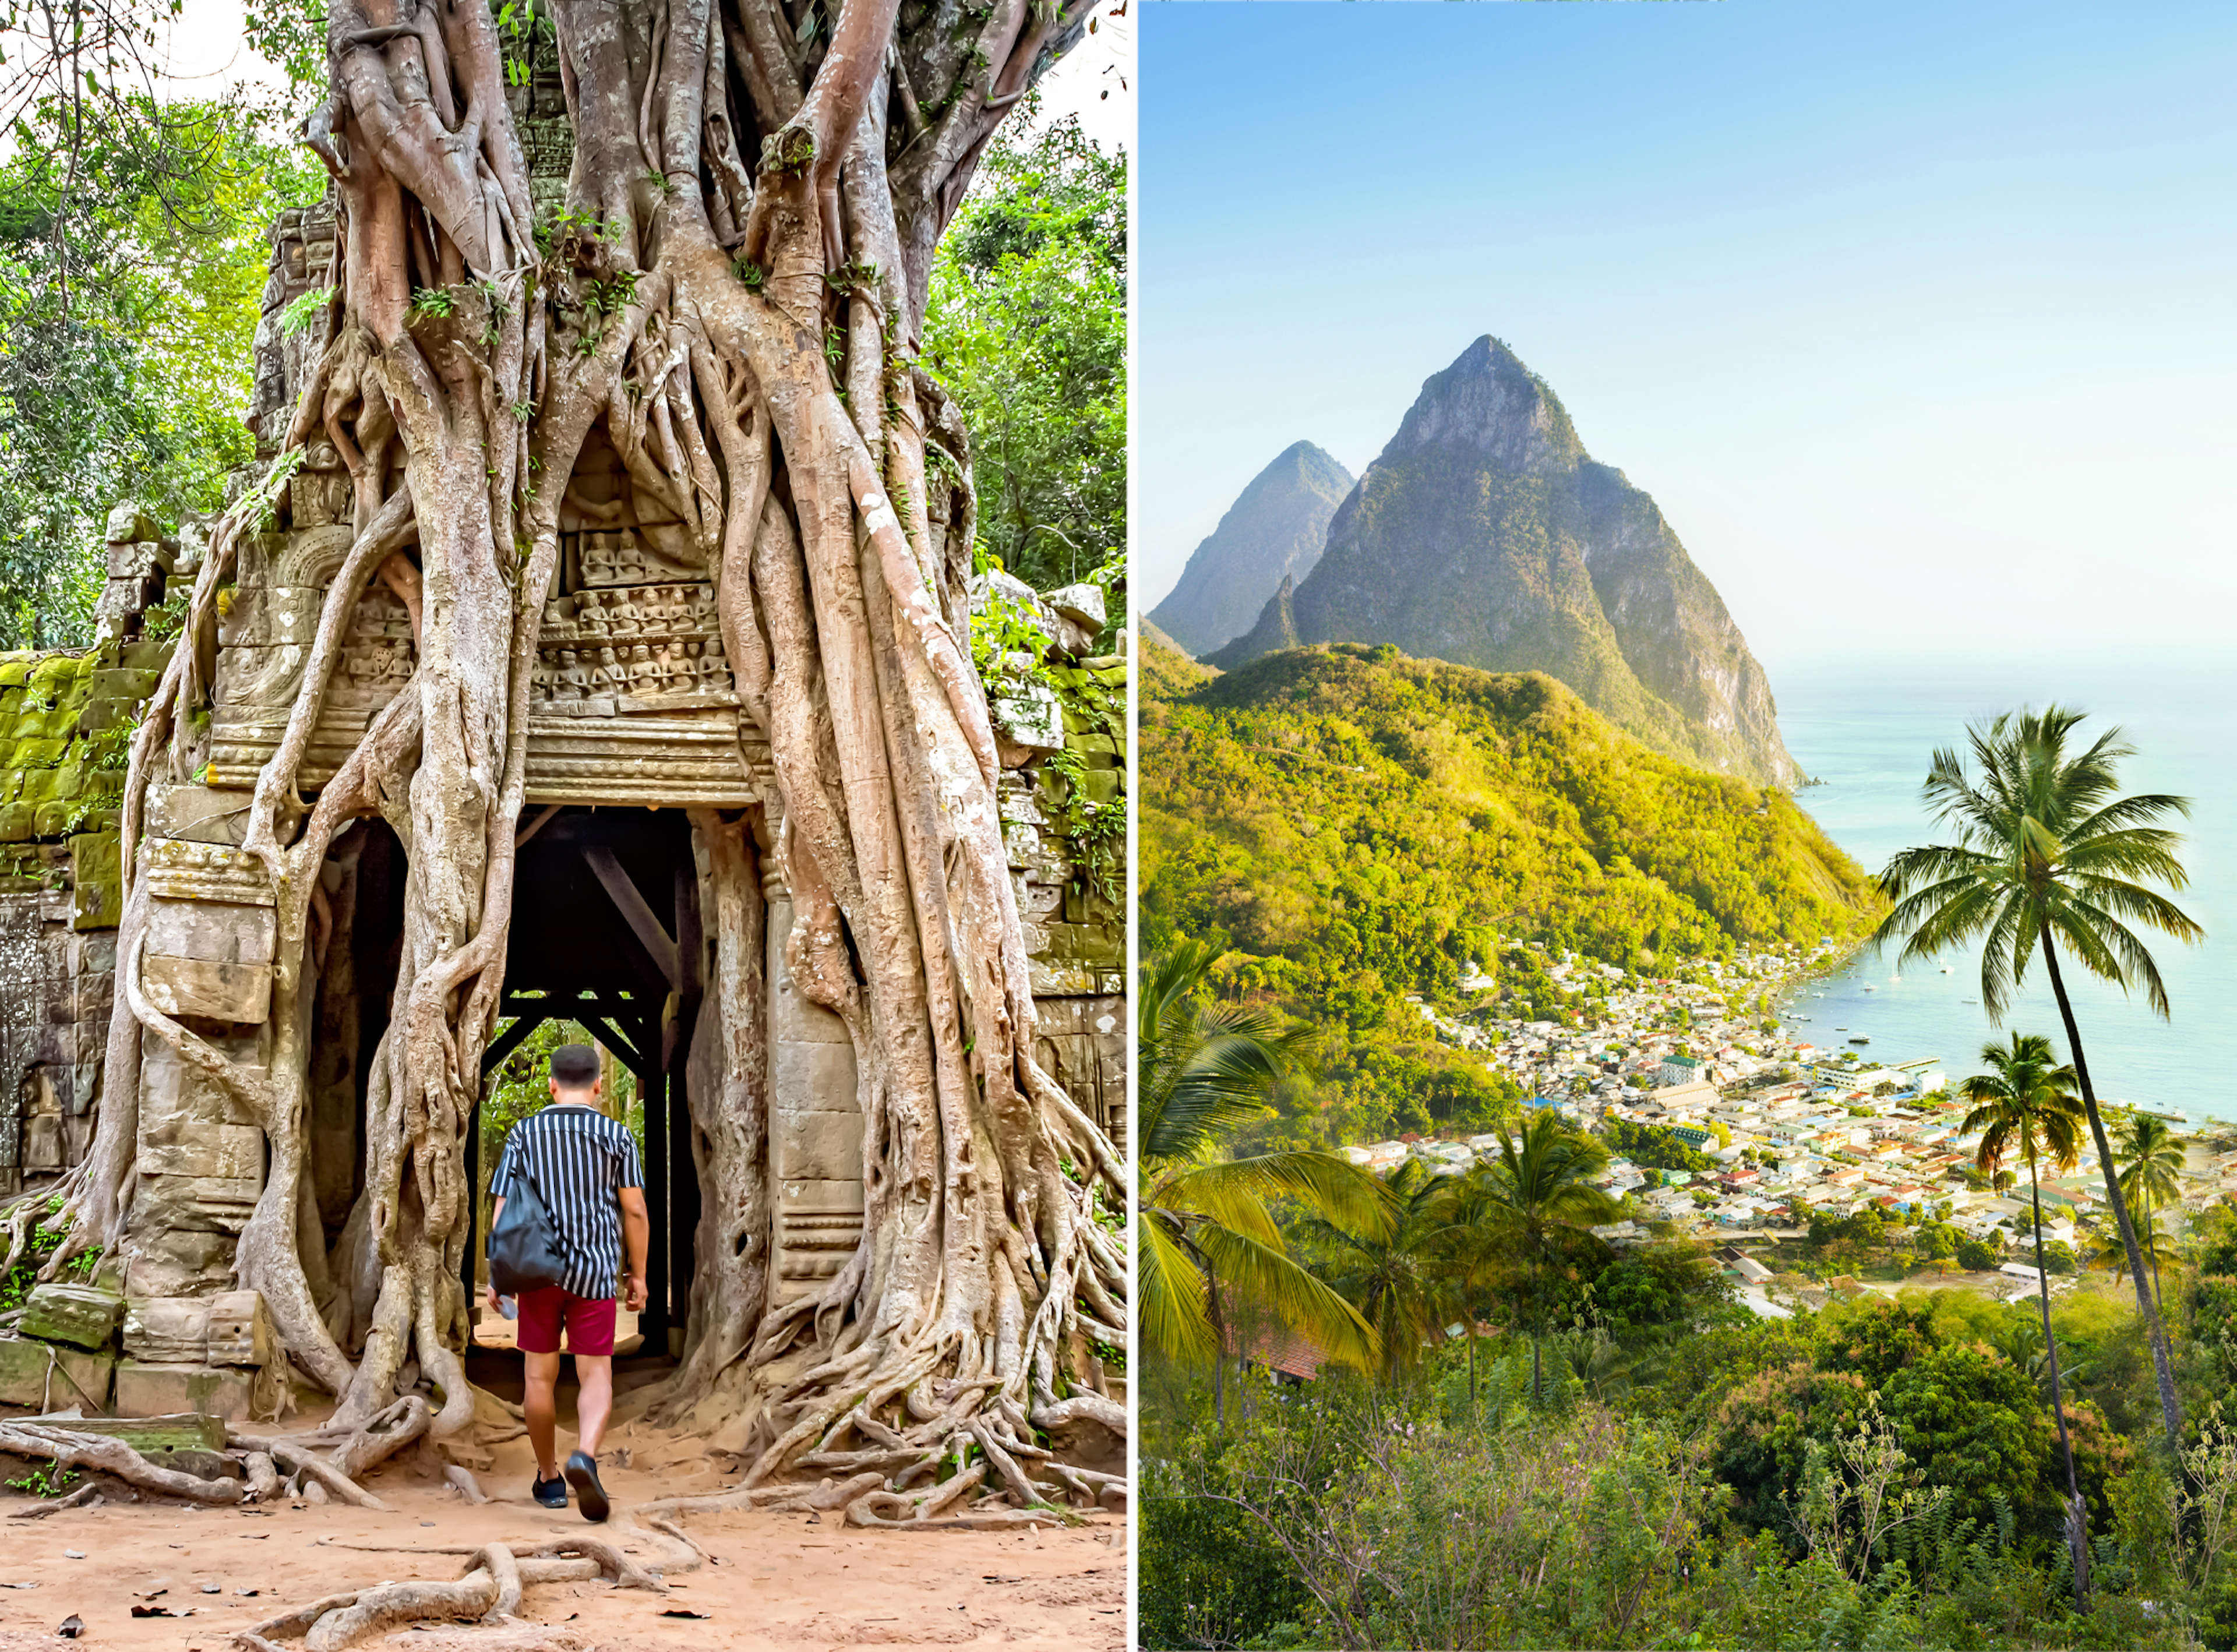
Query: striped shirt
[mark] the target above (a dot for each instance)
(576, 1158)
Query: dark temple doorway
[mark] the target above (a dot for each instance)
(606, 933)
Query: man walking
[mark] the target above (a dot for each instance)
(584, 1168)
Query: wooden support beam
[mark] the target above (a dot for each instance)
(616, 1040)
(658, 944)
(691, 940)
(524, 1021)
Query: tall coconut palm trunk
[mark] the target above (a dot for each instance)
(2077, 1514)
(2162, 1366)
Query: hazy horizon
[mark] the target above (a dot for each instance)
(1905, 317)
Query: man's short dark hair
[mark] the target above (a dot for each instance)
(574, 1067)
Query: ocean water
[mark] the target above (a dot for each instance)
(1870, 734)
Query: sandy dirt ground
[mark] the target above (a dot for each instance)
(773, 1579)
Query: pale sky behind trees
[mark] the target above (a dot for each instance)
(1915, 319)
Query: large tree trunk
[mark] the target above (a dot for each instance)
(747, 338)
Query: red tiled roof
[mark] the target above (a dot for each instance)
(1281, 1350)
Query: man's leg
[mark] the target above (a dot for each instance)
(541, 1408)
(590, 1340)
(594, 1404)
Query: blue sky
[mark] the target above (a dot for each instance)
(1915, 319)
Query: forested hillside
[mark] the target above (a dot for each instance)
(1359, 825)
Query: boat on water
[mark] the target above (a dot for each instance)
(1871, 989)
(1945, 969)
(1860, 1041)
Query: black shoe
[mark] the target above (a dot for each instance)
(582, 1473)
(552, 1493)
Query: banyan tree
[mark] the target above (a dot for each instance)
(603, 609)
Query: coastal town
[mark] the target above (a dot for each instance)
(1722, 1124)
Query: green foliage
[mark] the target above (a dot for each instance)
(431, 301)
(47, 1480)
(1357, 826)
(1027, 328)
(1654, 1144)
(133, 260)
(300, 311)
(1978, 1256)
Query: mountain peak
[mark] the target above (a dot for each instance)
(1270, 536)
(1486, 536)
(1487, 402)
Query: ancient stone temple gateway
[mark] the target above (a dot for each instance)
(634, 744)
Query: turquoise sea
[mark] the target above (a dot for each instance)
(1869, 733)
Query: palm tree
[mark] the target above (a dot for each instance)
(1394, 1273)
(2047, 852)
(2151, 1181)
(1540, 1190)
(2025, 1103)
(1205, 1071)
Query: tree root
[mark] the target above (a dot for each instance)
(490, 1590)
(108, 1455)
(303, 1460)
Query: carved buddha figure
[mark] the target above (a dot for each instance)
(714, 675)
(597, 556)
(644, 675)
(607, 675)
(674, 670)
(572, 681)
(622, 615)
(320, 494)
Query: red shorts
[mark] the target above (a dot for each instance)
(590, 1325)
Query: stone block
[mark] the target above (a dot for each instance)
(136, 559)
(93, 953)
(77, 1314)
(145, 1390)
(174, 1096)
(211, 815)
(1055, 979)
(1030, 716)
(813, 1078)
(1100, 785)
(180, 1260)
(42, 1147)
(50, 1379)
(223, 1153)
(129, 521)
(228, 1329)
(221, 992)
(148, 655)
(121, 683)
(180, 870)
(42, 753)
(816, 1147)
(15, 823)
(99, 717)
(1082, 603)
(53, 820)
(97, 886)
(211, 931)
